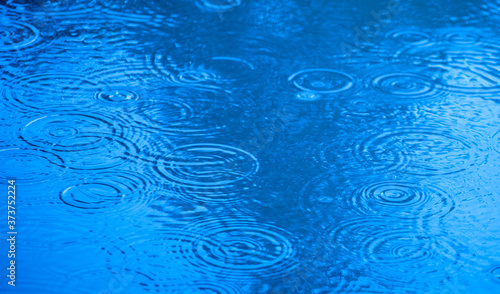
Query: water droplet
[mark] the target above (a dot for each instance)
(307, 96)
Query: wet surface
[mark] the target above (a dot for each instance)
(226, 146)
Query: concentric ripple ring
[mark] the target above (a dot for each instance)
(410, 37)
(237, 248)
(494, 274)
(17, 34)
(398, 248)
(105, 190)
(219, 5)
(402, 200)
(404, 85)
(68, 131)
(322, 80)
(422, 152)
(207, 165)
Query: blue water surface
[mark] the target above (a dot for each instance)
(238, 146)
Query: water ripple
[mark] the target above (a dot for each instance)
(410, 37)
(334, 153)
(231, 68)
(461, 37)
(206, 76)
(405, 85)
(170, 116)
(392, 250)
(59, 233)
(212, 165)
(192, 76)
(30, 166)
(108, 190)
(69, 131)
(403, 81)
(230, 193)
(129, 74)
(130, 125)
(320, 80)
(116, 152)
(100, 279)
(67, 89)
(367, 109)
(463, 60)
(16, 34)
(471, 75)
(205, 286)
(177, 114)
(494, 274)
(83, 140)
(67, 9)
(358, 106)
(496, 142)
(235, 248)
(418, 151)
(117, 96)
(323, 190)
(160, 255)
(214, 70)
(218, 5)
(402, 199)
(172, 209)
(217, 62)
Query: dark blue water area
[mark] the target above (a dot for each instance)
(237, 146)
